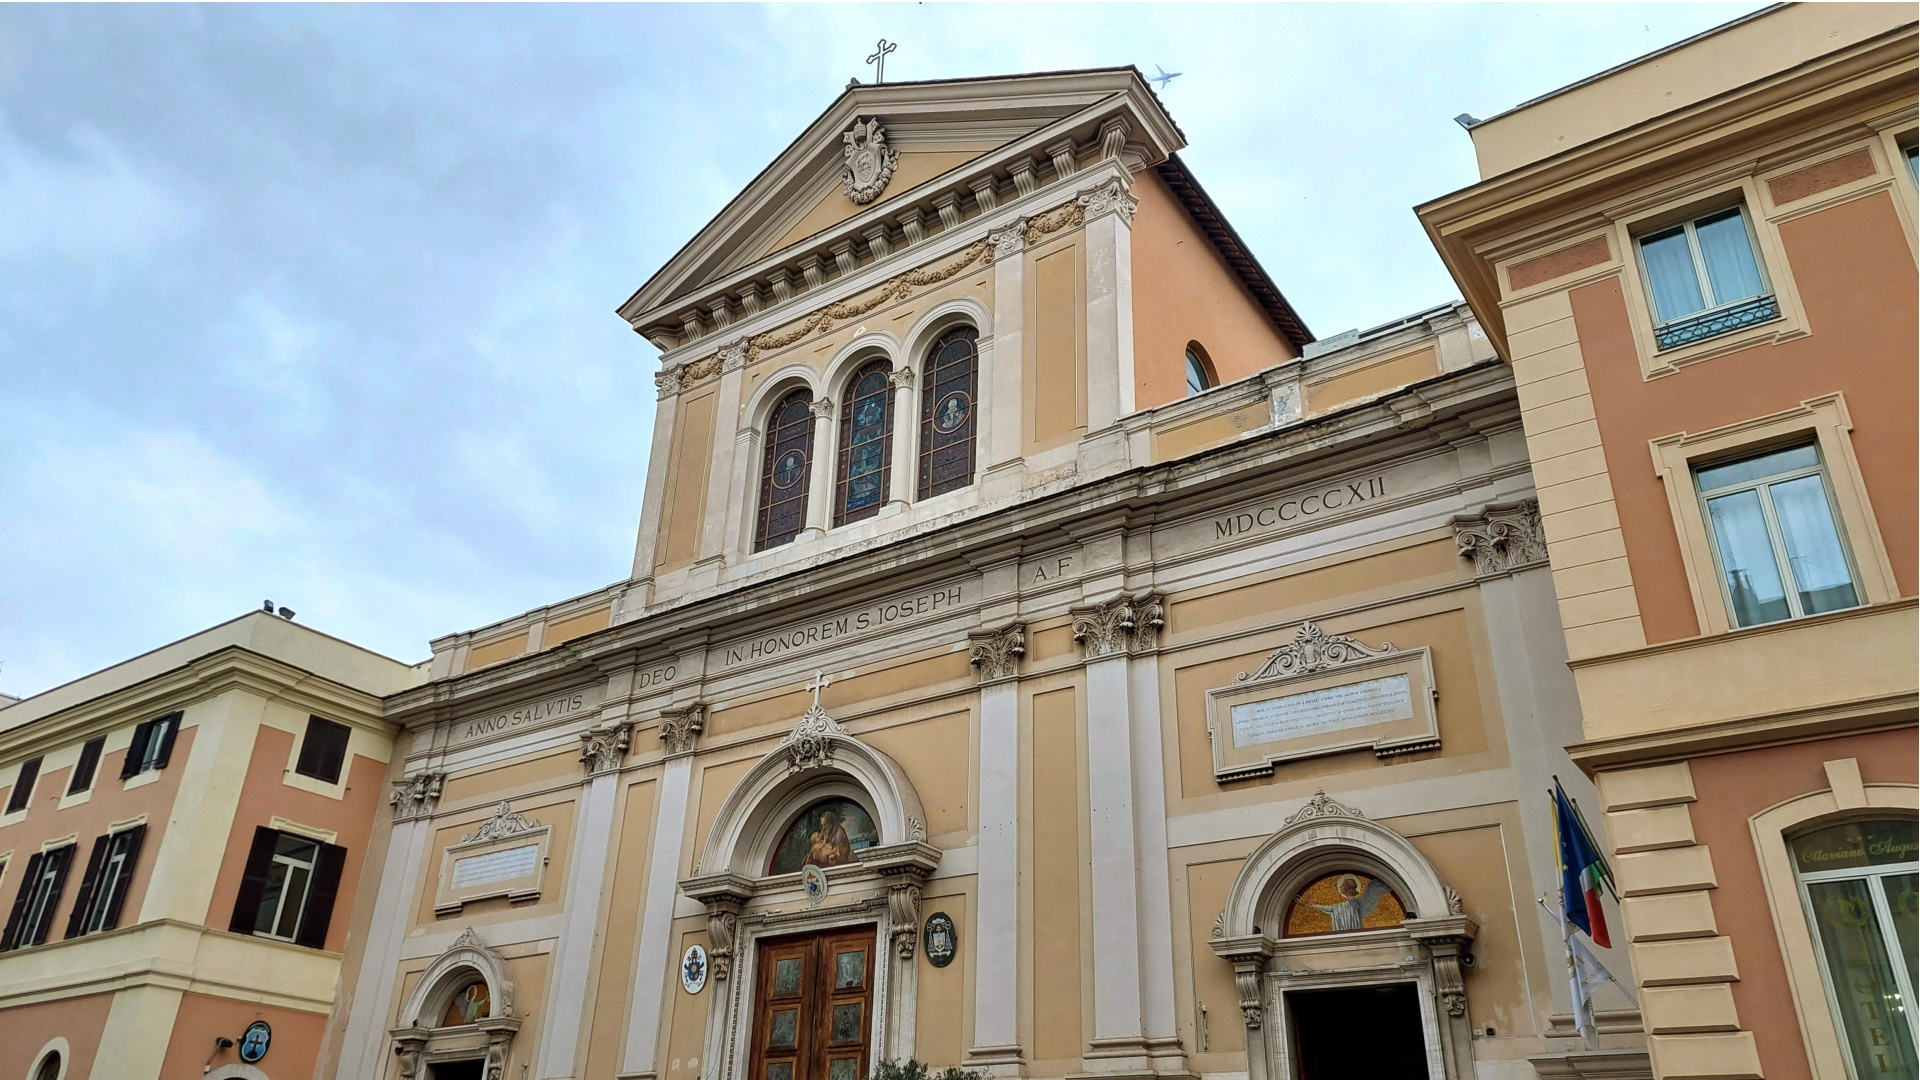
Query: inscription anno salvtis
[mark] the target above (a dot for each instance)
(1293, 508)
(540, 712)
(887, 613)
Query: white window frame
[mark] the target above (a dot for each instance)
(1782, 563)
(1888, 937)
(310, 864)
(1700, 264)
(37, 902)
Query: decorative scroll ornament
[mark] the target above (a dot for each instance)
(997, 653)
(1064, 216)
(668, 380)
(900, 378)
(810, 744)
(720, 928)
(821, 408)
(1313, 650)
(870, 161)
(733, 356)
(679, 728)
(1503, 539)
(823, 320)
(604, 748)
(903, 912)
(1123, 624)
(1246, 979)
(505, 822)
(414, 797)
(468, 939)
(1112, 198)
(1322, 805)
(1009, 239)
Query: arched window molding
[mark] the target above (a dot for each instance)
(818, 759)
(55, 1046)
(1201, 375)
(1325, 837)
(1819, 1030)
(420, 1038)
(863, 465)
(786, 469)
(950, 408)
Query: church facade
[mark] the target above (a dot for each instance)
(1041, 655)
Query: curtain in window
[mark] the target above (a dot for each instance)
(1728, 252)
(947, 413)
(1746, 558)
(785, 471)
(866, 444)
(1818, 563)
(1669, 263)
(1865, 989)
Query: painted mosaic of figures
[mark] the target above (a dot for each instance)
(828, 833)
(1343, 902)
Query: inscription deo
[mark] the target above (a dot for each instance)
(1337, 497)
(550, 709)
(875, 617)
(659, 676)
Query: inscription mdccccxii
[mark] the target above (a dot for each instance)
(887, 613)
(1326, 500)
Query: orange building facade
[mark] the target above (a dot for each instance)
(1701, 266)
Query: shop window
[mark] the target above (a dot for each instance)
(1858, 882)
(785, 471)
(288, 888)
(1200, 377)
(23, 786)
(950, 387)
(152, 745)
(103, 888)
(1704, 278)
(866, 444)
(1776, 537)
(323, 750)
(39, 896)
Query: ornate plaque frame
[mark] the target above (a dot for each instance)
(1315, 661)
(504, 831)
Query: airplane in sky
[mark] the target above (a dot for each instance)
(1164, 77)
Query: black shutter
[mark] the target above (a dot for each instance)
(323, 750)
(89, 764)
(20, 900)
(320, 894)
(23, 787)
(253, 881)
(169, 727)
(63, 857)
(89, 881)
(135, 837)
(136, 750)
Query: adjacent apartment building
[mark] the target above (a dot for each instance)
(1701, 266)
(182, 837)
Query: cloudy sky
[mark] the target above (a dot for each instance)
(316, 303)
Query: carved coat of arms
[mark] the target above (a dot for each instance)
(870, 161)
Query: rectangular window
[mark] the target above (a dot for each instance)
(23, 786)
(1776, 536)
(152, 745)
(88, 764)
(288, 888)
(103, 888)
(1705, 278)
(323, 750)
(39, 896)
(1859, 882)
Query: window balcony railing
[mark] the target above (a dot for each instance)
(1714, 323)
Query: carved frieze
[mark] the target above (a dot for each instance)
(681, 727)
(823, 320)
(1313, 649)
(604, 748)
(1121, 625)
(415, 796)
(1505, 538)
(997, 653)
(505, 822)
(1065, 216)
(869, 161)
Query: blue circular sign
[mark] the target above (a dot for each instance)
(253, 1041)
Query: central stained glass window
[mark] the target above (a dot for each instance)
(866, 444)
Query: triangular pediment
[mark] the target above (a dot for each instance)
(938, 130)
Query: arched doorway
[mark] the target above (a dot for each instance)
(459, 1022)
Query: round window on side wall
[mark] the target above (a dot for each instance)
(49, 1067)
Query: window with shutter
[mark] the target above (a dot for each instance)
(103, 888)
(152, 745)
(323, 750)
(88, 765)
(23, 786)
(17, 914)
(39, 897)
(288, 888)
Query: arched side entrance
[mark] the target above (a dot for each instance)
(823, 799)
(460, 1011)
(1387, 926)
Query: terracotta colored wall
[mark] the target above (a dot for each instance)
(1183, 291)
(78, 1020)
(1857, 283)
(264, 796)
(296, 1038)
(110, 803)
(1731, 788)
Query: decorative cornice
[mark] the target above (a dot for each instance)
(1109, 198)
(1313, 650)
(1121, 625)
(997, 653)
(810, 744)
(680, 728)
(604, 748)
(1505, 538)
(505, 822)
(1322, 805)
(415, 796)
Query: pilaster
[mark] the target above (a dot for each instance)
(1004, 417)
(820, 491)
(721, 500)
(363, 1049)
(679, 732)
(666, 416)
(996, 655)
(905, 438)
(1108, 211)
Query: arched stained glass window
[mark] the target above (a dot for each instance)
(785, 471)
(950, 385)
(866, 444)
(1200, 378)
(1341, 902)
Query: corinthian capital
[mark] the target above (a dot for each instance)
(415, 796)
(1009, 239)
(679, 728)
(1109, 198)
(997, 653)
(604, 748)
(1121, 625)
(1505, 538)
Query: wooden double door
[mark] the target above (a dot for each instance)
(813, 1006)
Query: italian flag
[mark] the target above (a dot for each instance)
(1583, 870)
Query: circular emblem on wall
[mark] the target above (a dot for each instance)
(693, 969)
(788, 469)
(814, 880)
(951, 412)
(938, 939)
(254, 1041)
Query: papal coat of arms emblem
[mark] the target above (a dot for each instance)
(870, 161)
